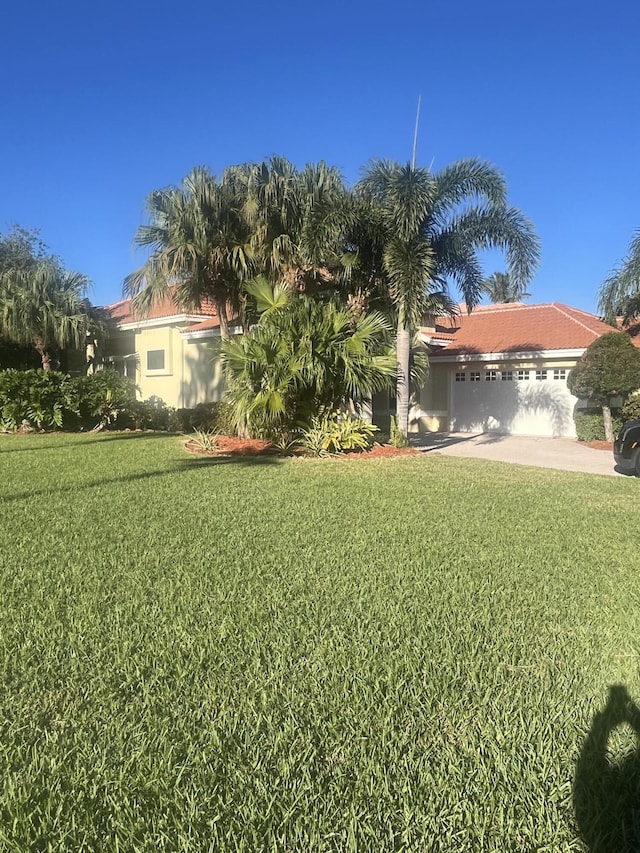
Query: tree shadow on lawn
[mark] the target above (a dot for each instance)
(88, 438)
(201, 460)
(190, 464)
(606, 790)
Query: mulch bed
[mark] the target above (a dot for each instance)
(228, 445)
(599, 445)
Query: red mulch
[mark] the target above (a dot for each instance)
(599, 445)
(228, 445)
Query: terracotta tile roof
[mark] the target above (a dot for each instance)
(122, 312)
(522, 328)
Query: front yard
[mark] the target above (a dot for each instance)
(393, 655)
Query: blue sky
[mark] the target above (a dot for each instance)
(105, 102)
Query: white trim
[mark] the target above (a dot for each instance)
(163, 321)
(202, 334)
(529, 355)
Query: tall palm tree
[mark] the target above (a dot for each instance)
(45, 306)
(433, 226)
(501, 289)
(620, 292)
(199, 243)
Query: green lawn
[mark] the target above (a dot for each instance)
(396, 655)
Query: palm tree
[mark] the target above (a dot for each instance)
(306, 355)
(501, 289)
(298, 219)
(45, 306)
(433, 226)
(199, 243)
(620, 292)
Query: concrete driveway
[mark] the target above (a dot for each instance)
(563, 453)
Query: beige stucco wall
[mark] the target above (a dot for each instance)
(430, 410)
(192, 371)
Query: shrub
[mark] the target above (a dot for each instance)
(590, 425)
(631, 408)
(36, 398)
(145, 414)
(396, 437)
(99, 399)
(204, 416)
(335, 432)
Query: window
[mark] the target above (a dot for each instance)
(560, 373)
(541, 374)
(507, 375)
(490, 375)
(523, 375)
(474, 377)
(155, 359)
(460, 376)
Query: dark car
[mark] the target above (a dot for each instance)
(626, 448)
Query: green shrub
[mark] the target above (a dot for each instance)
(631, 408)
(36, 398)
(99, 399)
(204, 416)
(150, 414)
(590, 425)
(336, 432)
(396, 437)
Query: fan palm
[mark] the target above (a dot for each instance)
(620, 293)
(199, 244)
(501, 289)
(433, 226)
(305, 355)
(297, 219)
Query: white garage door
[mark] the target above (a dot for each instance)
(517, 402)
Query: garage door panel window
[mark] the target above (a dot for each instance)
(541, 375)
(507, 376)
(523, 376)
(474, 376)
(460, 376)
(490, 375)
(560, 374)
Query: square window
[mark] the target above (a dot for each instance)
(507, 375)
(523, 375)
(474, 376)
(541, 374)
(155, 359)
(490, 375)
(460, 376)
(560, 373)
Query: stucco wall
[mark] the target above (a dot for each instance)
(191, 374)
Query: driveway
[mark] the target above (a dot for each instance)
(563, 453)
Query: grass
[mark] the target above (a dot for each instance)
(394, 655)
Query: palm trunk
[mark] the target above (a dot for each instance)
(44, 356)
(608, 423)
(221, 308)
(403, 347)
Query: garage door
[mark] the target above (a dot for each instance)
(517, 402)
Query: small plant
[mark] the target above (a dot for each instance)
(285, 443)
(205, 440)
(336, 432)
(396, 437)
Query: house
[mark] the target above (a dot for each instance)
(170, 354)
(503, 368)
